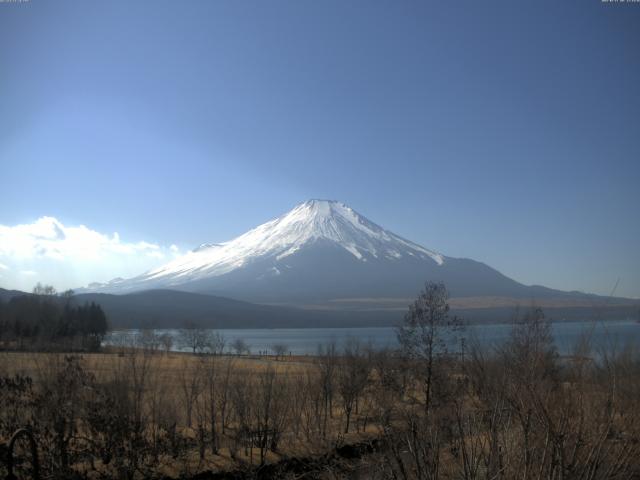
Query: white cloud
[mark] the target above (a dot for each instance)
(71, 256)
(49, 238)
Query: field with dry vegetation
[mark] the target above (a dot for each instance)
(517, 411)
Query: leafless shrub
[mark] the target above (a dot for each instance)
(279, 350)
(353, 377)
(327, 361)
(240, 346)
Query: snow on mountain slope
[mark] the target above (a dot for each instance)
(320, 253)
(309, 222)
(323, 253)
(279, 238)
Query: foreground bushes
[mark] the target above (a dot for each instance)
(517, 411)
(522, 412)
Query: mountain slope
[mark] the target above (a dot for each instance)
(322, 251)
(6, 295)
(269, 247)
(175, 309)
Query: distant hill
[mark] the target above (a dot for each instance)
(174, 309)
(6, 295)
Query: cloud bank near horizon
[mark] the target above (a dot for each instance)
(50, 252)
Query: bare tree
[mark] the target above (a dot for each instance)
(190, 383)
(327, 361)
(270, 410)
(422, 336)
(313, 409)
(240, 346)
(209, 371)
(148, 340)
(279, 349)
(214, 343)
(223, 392)
(166, 340)
(240, 396)
(193, 338)
(353, 375)
(44, 290)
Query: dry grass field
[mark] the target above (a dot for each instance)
(519, 411)
(181, 392)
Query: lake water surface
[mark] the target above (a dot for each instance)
(300, 341)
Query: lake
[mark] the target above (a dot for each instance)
(301, 341)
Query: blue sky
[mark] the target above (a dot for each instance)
(507, 132)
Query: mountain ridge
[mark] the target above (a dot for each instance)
(320, 251)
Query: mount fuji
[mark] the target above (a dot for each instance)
(323, 253)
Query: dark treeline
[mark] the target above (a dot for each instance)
(45, 320)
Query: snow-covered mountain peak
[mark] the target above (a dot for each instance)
(323, 219)
(324, 253)
(314, 222)
(337, 223)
